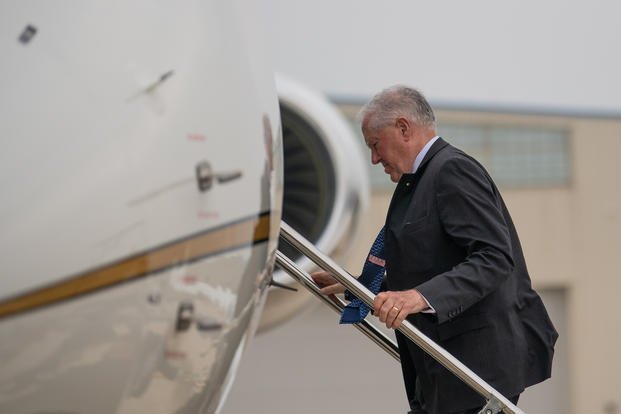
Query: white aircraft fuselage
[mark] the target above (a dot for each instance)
(141, 194)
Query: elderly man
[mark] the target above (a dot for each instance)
(454, 264)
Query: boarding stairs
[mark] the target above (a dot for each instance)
(496, 402)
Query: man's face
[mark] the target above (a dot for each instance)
(387, 147)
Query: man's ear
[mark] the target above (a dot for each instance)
(403, 124)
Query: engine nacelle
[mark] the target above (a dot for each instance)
(325, 186)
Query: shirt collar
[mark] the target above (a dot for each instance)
(422, 153)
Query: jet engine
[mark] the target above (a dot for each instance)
(325, 186)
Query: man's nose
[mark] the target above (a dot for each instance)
(374, 158)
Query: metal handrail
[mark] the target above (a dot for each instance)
(337, 304)
(496, 402)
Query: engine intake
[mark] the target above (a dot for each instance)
(326, 185)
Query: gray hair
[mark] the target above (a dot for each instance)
(394, 102)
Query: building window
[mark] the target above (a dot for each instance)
(515, 156)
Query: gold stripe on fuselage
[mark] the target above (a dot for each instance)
(238, 234)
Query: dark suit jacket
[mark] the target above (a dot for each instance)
(449, 234)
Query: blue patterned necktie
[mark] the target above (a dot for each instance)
(371, 277)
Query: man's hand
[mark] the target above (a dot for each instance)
(393, 307)
(327, 283)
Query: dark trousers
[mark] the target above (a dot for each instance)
(514, 400)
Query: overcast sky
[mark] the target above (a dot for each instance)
(549, 53)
